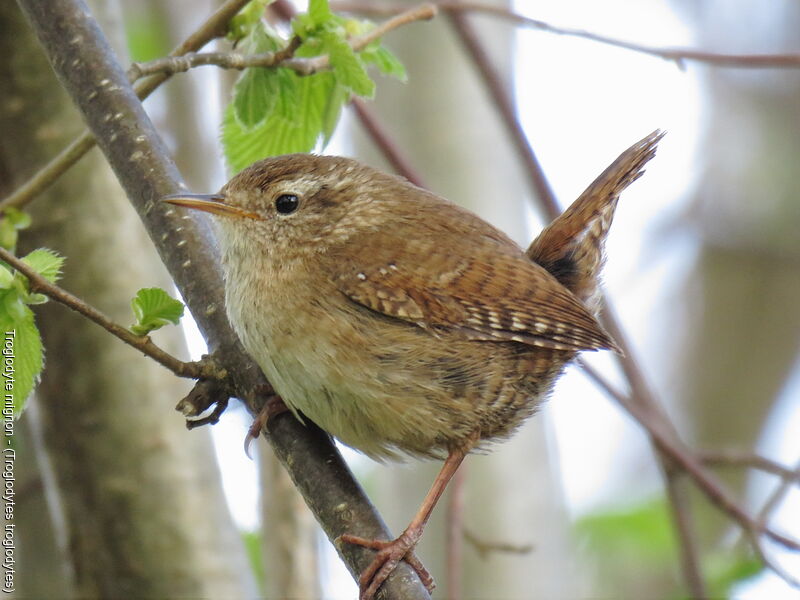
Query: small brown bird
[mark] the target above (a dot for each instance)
(399, 322)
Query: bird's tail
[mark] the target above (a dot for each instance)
(571, 247)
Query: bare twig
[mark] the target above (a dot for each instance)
(213, 27)
(484, 548)
(384, 142)
(304, 66)
(736, 458)
(677, 55)
(762, 519)
(763, 556)
(683, 521)
(194, 370)
(778, 495)
(505, 107)
(204, 394)
(46, 176)
(709, 484)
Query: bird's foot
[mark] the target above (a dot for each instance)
(386, 560)
(273, 406)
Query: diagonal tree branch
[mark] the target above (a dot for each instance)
(88, 70)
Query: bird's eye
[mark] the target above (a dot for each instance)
(286, 204)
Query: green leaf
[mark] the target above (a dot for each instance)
(154, 308)
(319, 12)
(725, 570)
(347, 67)
(21, 356)
(13, 306)
(8, 235)
(288, 94)
(18, 218)
(6, 278)
(11, 221)
(257, 91)
(640, 533)
(46, 263)
(255, 552)
(330, 118)
(246, 19)
(277, 134)
(386, 62)
(254, 96)
(261, 38)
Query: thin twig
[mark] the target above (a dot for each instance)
(761, 554)
(762, 520)
(390, 150)
(45, 177)
(303, 66)
(777, 496)
(677, 55)
(484, 548)
(710, 485)
(736, 458)
(683, 520)
(505, 106)
(193, 370)
(213, 27)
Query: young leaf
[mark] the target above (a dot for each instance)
(45, 262)
(254, 96)
(11, 222)
(19, 219)
(154, 308)
(278, 135)
(6, 278)
(333, 110)
(386, 62)
(319, 12)
(257, 90)
(13, 306)
(347, 66)
(8, 235)
(247, 18)
(22, 356)
(288, 94)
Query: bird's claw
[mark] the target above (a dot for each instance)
(389, 555)
(273, 406)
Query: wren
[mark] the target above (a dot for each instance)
(399, 322)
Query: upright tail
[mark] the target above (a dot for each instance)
(571, 247)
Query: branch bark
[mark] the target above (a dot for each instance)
(88, 70)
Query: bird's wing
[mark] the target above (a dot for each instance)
(492, 293)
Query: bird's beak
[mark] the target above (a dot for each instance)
(210, 203)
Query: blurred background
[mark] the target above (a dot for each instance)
(703, 272)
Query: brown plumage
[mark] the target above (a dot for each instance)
(400, 322)
(571, 247)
